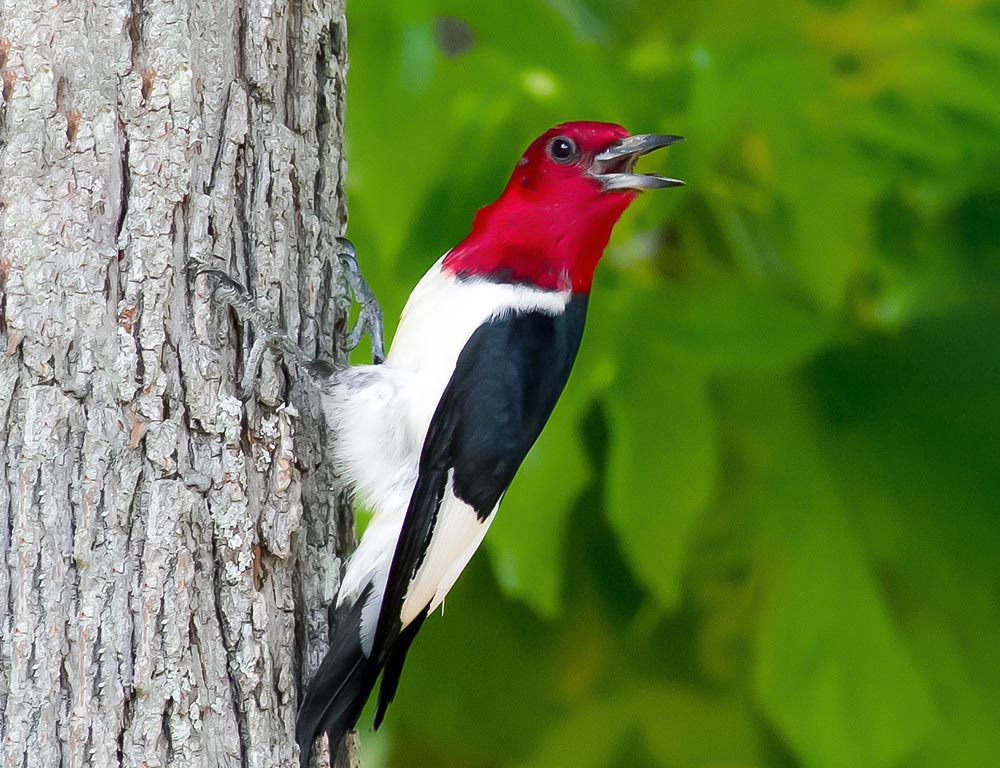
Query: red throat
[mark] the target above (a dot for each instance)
(554, 249)
(552, 223)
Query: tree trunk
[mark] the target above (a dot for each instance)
(167, 552)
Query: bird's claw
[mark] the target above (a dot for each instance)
(370, 315)
(267, 335)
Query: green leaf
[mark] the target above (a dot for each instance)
(728, 326)
(661, 464)
(913, 423)
(833, 670)
(679, 726)
(525, 542)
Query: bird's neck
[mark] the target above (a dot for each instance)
(552, 247)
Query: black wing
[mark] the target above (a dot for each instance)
(506, 382)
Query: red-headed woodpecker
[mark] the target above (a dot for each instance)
(431, 439)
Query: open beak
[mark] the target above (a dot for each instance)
(613, 167)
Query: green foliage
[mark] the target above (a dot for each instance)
(762, 526)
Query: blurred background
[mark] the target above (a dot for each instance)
(763, 526)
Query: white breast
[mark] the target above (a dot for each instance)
(440, 316)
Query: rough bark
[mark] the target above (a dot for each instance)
(166, 550)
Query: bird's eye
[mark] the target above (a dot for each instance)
(563, 150)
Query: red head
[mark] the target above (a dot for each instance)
(551, 224)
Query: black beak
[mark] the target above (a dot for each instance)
(613, 167)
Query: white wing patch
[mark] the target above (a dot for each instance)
(457, 534)
(458, 564)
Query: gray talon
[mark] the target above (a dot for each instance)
(370, 316)
(267, 334)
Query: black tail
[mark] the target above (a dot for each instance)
(394, 666)
(338, 691)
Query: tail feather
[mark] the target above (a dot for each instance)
(394, 666)
(338, 691)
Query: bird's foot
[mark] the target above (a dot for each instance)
(370, 316)
(267, 335)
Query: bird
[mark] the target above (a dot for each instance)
(431, 437)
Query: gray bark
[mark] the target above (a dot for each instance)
(166, 551)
